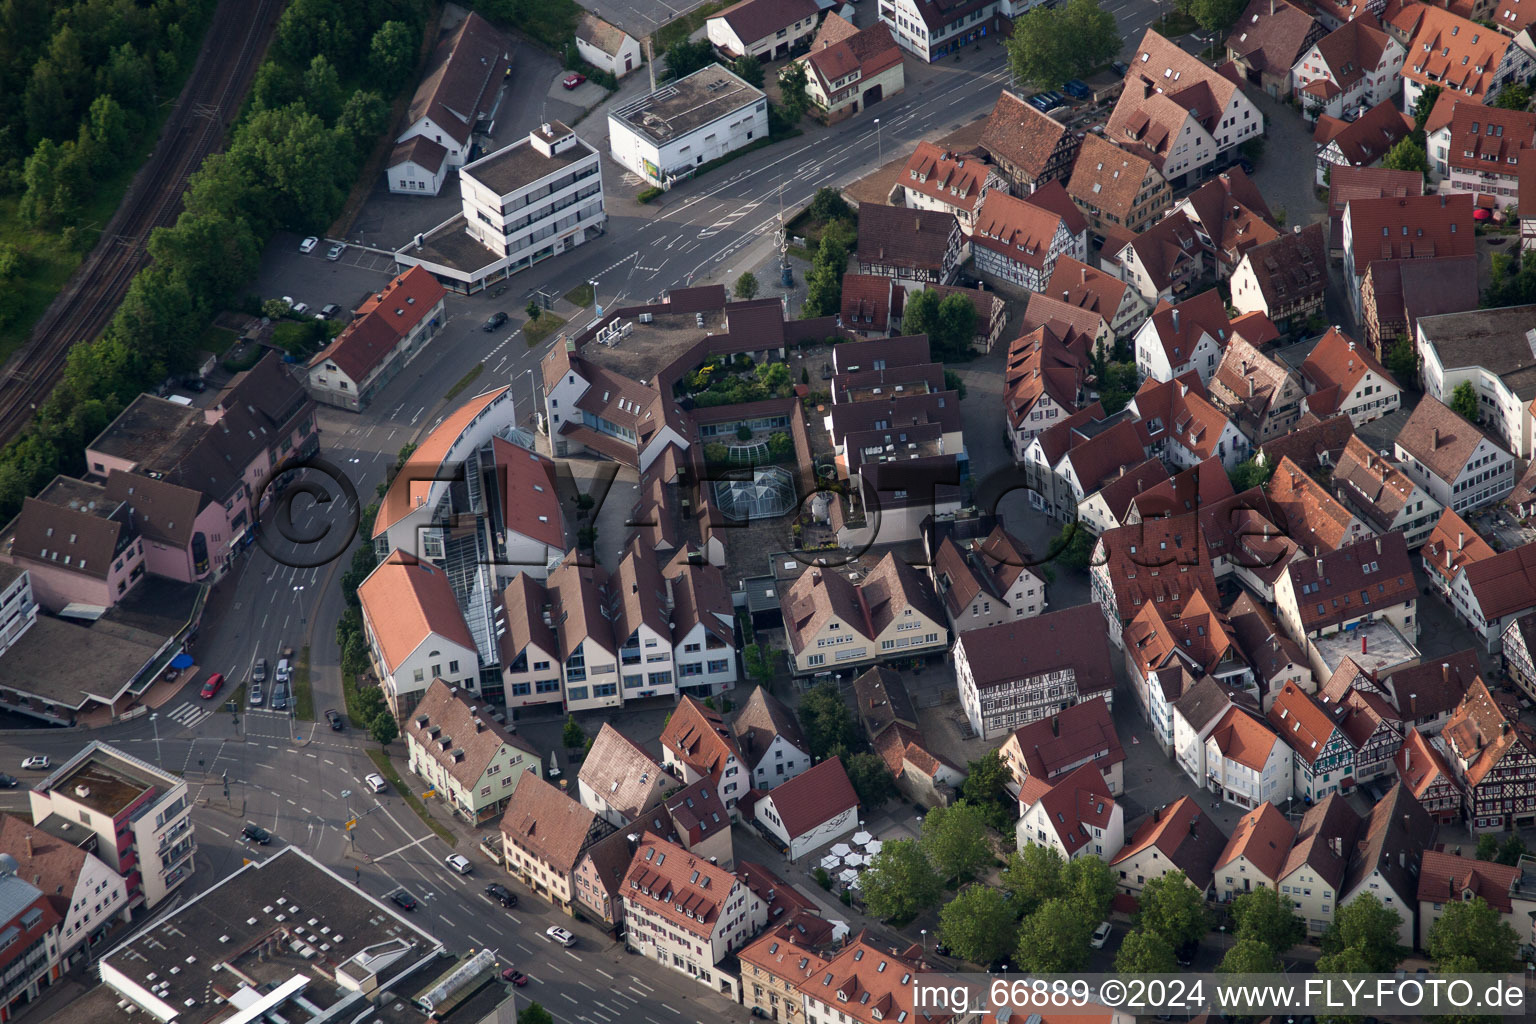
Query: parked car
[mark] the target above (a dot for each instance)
(279, 696)
(1244, 163)
(255, 696)
(259, 671)
(501, 894)
(336, 723)
(8, 781)
(403, 899)
(308, 245)
(256, 834)
(376, 783)
(36, 763)
(459, 863)
(1046, 101)
(515, 976)
(335, 251)
(299, 308)
(1120, 68)
(284, 670)
(494, 321)
(211, 688)
(194, 384)
(1077, 88)
(329, 310)
(561, 936)
(573, 79)
(1101, 935)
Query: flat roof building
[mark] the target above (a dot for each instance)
(684, 124)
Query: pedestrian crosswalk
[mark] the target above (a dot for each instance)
(189, 714)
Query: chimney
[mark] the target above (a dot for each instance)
(1250, 387)
(1055, 725)
(1175, 320)
(1319, 566)
(1413, 704)
(1442, 200)
(917, 224)
(29, 845)
(1407, 758)
(1461, 542)
(1084, 274)
(1351, 346)
(1336, 845)
(1434, 438)
(1378, 545)
(1445, 671)
(1362, 643)
(1402, 858)
(1194, 827)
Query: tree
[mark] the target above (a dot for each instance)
(1054, 939)
(572, 734)
(749, 69)
(1369, 927)
(746, 284)
(1212, 15)
(900, 883)
(792, 92)
(871, 779)
(954, 382)
(920, 315)
(986, 787)
(1073, 546)
(1474, 930)
(533, 309)
(1144, 952)
(1401, 360)
(1249, 956)
(1464, 401)
(105, 133)
(757, 658)
(955, 840)
(1033, 875)
(1173, 908)
(1052, 44)
(533, 1013)
(826, 721)
(322, 89)
(1513, 96)
(1512, 280)
(1487, 846)
(363, 119)
(383, 729)
(956, 327)
(1456, 966)
(1266, 917)
(1424, 105)
(1407, 155)
(1248, 474)
(684, 58)
(828, 205)
(392, 53)
(978, 925)
(1090, 885)
(1512, 850)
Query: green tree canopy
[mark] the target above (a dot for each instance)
(1368, 926)
(1511, 850)
(749, 69)
(956, 327)
(1212, 15)
(1173, 908)
(392, 53)
(871, 779)
(1052, 44)
(1265, 916)
(978, 925)
(1464, 401)
(1401, 360)
(1249, 956)
(1144, 952)
(1407, 155)
(827, 723)
(792, 90)
(1054, 939)
(900, 883)
(1514, 96)
(955, 840)
(1249, 473)
(1090, 885)
(1425, 105)
(684, 58)
(322, 89)
(1033, 875)
(383, 729)
(746, 284)
(986, 787)
(533, 1013)
(1471, 929)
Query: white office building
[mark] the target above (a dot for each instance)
(667, 135)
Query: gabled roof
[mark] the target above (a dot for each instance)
(1022, 135)
(1075, 805)
(992, 565)
(1359, 579)
(1066, 737)
(1347, 183)
(1166, 249)
(761, 720)
(608, 38)
(1180, 327)
(1314, 518)
(1311, 445)
(1451, 878)
(1433, 686)
(550, 825)
(1454, 53)
(410, 487)
(619, 771)
(1107, 177)
(1160, 559)
(448, 726)
(1163, 66)
(791, 949)
(688, 891)
(52, 865)
(1420, 765)
(839, 49)
(1488, 139)
(1440, 439)
(428, 154)
(1264, 836)
(1504, 584)
(1353, 50)
(530, 503)
(1392, 840)
(1194, 630)
(1372, 484)
(1242, 738)
(1232, 211)
(577, 609)
(866, 978)
(1324, 841)
(407, 601)
(866, 302)
(1018, 231)
(1185, 836)
(1273, 35)
(1514, 15)
(699, 737)
(1302, 722)
(1480, 732)
(947, 177)
(1052, 196)
(752, 20)
(1290, 268)
(467, 69)
(1337, 361)
(1040, 364)
(1410, 227)
(902, 237)
(1265, 648)
(814, 797)
(1086, 287)
(1071, 638)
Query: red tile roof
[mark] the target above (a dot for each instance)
(1204, 313)
(866, 302)
(1361, 579)
(689, 892)
(1107, 177)
(1410, 228)
(1338, 361)
(1314, 518)
(1082, 730)
(835, 53)
(1488, 139)
(1440, 439)
(1452, 545)
(549, 825)
(1264, 836)
(381, 322)
(1448, 878)
(1071, 638)
(1480, 732)
(871, 985)
(1185, 836)
(1301, 721)
(952, 179)
(1086, 287)
(407, 601)
(1454, 53)
(1420, 766)
(699, 738)
(1053, 196)
(1170, 546)
(1273, 35)
(1368, 138)
(1324, 841)
(1075, 805)
(1242, 738)
(1506, 583)
(411, 484)
(814, 797)
(1020, 134)
(1018, 231)
(753, 20)
(1514, 15)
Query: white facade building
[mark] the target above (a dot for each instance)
(670, 133)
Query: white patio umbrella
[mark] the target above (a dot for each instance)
(840, 851)
(848, 877)
(856, 860)
(860, 838)
(830, 863)
(874, 847)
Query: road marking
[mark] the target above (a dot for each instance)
(558, 968)
(569, 999)
(218, 830)
(474, 941)
(306, 810)
(515, 918)
(643, 985)
(443, 919)
(330, 762)
(589, 988)
(290, 802)
(573, 956)
(407, 846)
(625, 995)
(664, 1006)
(599, 970)
(524, 948)
(268, 767)
(311, 755)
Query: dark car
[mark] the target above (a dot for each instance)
(8, 781)
(256, 834)
(1077, 88)
(194, 384)
(1120, 68)
(335, 719)
(1046, 101)
(1244, 163)
(496, 320)
(515, 976)
(501, 894)
(403, 899)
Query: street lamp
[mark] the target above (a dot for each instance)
(925, 942)
(533, 385)
(153, 717)
(879, 149)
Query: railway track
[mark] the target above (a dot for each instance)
(204, 111)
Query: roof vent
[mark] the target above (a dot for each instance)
(83, 792)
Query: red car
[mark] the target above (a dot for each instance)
(573, 79)
(212, 686)
(515, 976)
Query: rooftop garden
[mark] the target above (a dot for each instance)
(726, 381)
